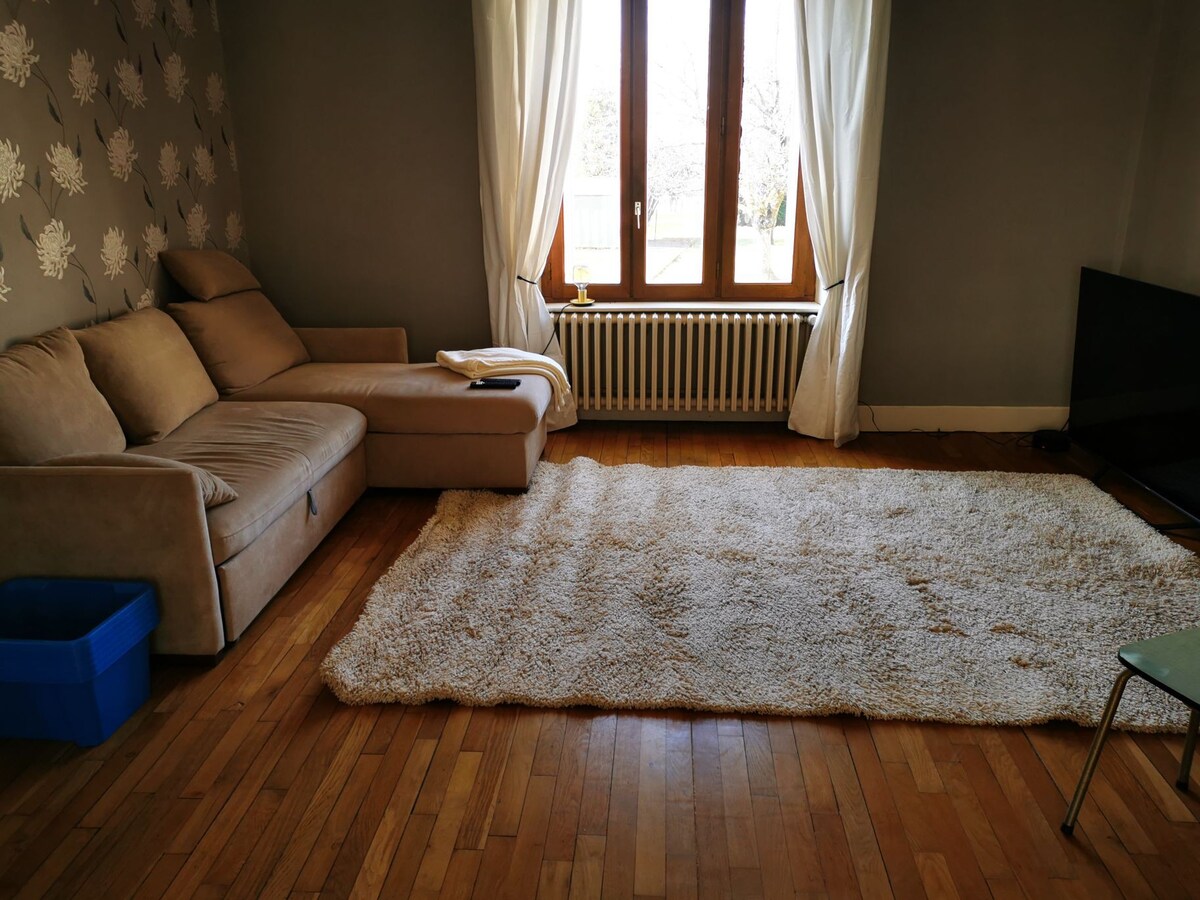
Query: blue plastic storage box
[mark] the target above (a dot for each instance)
(74, 656)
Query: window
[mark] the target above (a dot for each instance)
(683, 181)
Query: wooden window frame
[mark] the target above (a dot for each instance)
(723, 150)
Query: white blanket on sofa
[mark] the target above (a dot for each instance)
(496, 362)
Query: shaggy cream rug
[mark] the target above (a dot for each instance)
(962, 597)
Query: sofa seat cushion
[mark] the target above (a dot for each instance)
(269, 453)
(423, 398)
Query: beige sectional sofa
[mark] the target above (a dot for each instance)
(210, 448)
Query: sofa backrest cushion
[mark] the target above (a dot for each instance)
(48, 404)
(148, 372)
(241, 339)
(208, 274)
(213, 489)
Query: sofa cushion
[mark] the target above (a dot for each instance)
(48, 404)
(207, 274)
(148, 372)
(241, 339)
(423, 398)
(214, 490)
(269, 453)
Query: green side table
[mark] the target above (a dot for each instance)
(1170, 662)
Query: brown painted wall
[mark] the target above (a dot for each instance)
(1163, 244)
(1009, 151)
(1012, 145)
(360, 168)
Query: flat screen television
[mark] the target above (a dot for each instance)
(1135, 385)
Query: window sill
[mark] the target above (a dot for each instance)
(805, 307)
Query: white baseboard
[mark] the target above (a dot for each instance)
(961, 418)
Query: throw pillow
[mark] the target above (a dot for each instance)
(208, 274)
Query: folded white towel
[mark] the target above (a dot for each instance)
(498, 361)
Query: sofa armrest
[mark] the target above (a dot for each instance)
(117, 523)
(360, 345)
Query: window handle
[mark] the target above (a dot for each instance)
(637, 212)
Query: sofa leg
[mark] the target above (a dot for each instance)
(203, 661)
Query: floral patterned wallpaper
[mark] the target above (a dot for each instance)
(116, 143)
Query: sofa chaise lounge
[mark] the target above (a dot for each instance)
(208, 449)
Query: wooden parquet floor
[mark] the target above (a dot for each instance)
(249, 780)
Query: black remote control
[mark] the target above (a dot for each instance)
(495, 384)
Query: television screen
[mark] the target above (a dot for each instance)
(1135, 386)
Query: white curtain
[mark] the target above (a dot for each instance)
(842, 57)
(526, 71)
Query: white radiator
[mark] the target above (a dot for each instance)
(653, 365)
